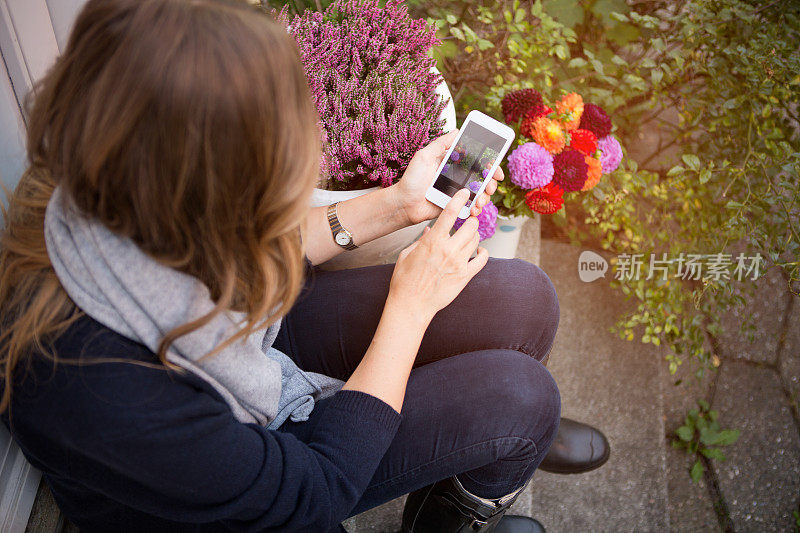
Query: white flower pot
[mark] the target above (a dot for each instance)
(384, 249)
(503, 244)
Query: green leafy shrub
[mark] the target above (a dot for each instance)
(704, 93)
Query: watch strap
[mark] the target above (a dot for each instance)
(336, 227)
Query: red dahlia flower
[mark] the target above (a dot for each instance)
(545, 200)
(516, 103)
(595, 120)
(583, 141)
(571, 170)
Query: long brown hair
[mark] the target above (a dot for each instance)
(185, 125)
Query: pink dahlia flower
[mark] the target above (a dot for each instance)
(610, 153)
(531, 166)
(487, 221)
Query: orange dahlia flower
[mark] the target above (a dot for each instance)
(570, 105)
(548, 133)
(593, 174)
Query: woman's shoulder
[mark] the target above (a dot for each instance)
(90, 376)
(87, 340)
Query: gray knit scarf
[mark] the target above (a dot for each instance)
(113, 281)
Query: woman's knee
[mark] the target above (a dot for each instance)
(525, 392)
(530, 302)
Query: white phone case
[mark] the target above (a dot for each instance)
(441, 199)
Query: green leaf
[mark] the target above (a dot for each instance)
(705, 175)
(485, 44)
(656, 75)
(457, 33)
(577, 62)
(692, 160)
(713, 453)
(726, 437)
(618, 61)
(733, 205)
(451, 19)
(674, 171)
(648, 62)
(685, 433)
(567, 12)
(708, 436)
(703, 405)
(697, 471)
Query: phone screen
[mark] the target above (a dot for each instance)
(470, 161)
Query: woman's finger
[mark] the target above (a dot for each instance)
(477, 205)
(407, 250)
(478, 262)
(491, 187)
(441, 144)
(499, 175)
(465, 233)
(441, 228)
(466, 251)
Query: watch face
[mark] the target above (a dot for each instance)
(342, 238)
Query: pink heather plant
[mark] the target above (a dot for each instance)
(370, 76)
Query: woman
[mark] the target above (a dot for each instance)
(166, 363)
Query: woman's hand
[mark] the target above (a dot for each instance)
(431, 272)
(410, 190)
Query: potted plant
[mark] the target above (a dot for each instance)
(558, 151)
(379, 98)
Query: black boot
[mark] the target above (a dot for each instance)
(577, 448)
(446, 507)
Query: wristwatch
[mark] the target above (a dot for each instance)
(341, 236)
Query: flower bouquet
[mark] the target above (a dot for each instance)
(559, 151)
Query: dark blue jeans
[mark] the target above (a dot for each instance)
(479, 402)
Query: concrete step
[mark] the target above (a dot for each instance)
(616, 386)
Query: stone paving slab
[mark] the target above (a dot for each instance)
(765, 307)
(760, 481)
(615, 385)
(690, 508)
(789, 363)
(384, 519)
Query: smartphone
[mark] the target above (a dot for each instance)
(471, 160)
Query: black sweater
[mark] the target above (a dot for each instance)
(138, 447)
